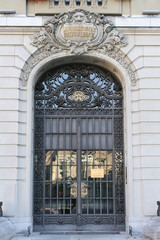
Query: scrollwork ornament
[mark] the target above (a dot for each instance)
(78, 32)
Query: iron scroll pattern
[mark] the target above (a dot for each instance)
(78, 90)
(78, 87)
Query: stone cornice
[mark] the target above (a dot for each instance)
(124, 21)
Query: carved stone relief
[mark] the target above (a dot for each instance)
(78, 32)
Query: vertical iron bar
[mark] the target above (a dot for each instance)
(87, 133)
(65, 164)
(107, 179)
(70, 202)
(71, 148)
(87, 175)
(64, 133)
(100, 133)
(57, 133)
(64, 173)
(57, 123)
(78, 166)
(100, 155)
(44, 169)
(93, 180)
(86, 120)
(100, 162)
(93, 124)
(93, 152)
(57, 178)
(113, 164)
(51, 147)
(106, 139)
(94, 183)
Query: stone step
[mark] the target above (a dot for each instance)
(38, 236)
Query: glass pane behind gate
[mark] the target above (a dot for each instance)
(61, 182)
(61, 174)
(99, 199)
(96, 133)
(61, 165)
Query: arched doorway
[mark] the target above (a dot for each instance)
(79, 164)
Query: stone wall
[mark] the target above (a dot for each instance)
(44, 7)
(142, 114)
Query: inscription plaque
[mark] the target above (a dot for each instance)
(97, 173)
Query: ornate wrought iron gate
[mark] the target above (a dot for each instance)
(78, 166)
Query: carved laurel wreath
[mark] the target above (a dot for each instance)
(78, 32)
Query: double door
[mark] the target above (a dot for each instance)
(79, 174)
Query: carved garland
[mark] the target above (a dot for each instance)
(78, 32)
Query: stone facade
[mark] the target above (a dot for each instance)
(141, 112)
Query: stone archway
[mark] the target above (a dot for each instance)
(114, 60)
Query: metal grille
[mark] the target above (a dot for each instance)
(79, 166)
(78, 2)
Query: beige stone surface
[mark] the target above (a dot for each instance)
(125, 8)
(18, 5)
(141, 103)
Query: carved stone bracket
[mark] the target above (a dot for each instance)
(77, 33)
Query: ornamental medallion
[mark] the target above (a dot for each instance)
(78, 96)
(84, 190)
